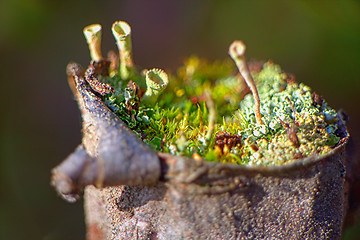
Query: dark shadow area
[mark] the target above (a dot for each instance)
(136, 196)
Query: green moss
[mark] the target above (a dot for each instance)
(295, 125)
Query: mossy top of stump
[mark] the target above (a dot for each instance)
(204, 112)
(207, 111)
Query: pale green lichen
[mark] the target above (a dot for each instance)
(92, 35)
(122, 34)
(315, 124)
(156, 82)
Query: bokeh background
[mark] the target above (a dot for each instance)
(317, 41)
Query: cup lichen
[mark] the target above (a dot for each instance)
(206, 111)
(122, 34)
(92, 34)
(156, 82)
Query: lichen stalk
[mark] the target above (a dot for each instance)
(92, 34)
(212, 114)
(237, 53)
(122, 34)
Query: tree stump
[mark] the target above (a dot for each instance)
(132, 192)
(161, 196)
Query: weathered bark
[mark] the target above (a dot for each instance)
(110, 153)
(159, 196)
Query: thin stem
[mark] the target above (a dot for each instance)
(212, 114)
(92, 34)
(122, 34)
(237, 53)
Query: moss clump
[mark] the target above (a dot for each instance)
(297, 122)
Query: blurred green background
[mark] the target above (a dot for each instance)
(317, 41)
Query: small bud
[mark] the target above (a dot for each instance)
(92, 34)
(122, 34)
(156, 82)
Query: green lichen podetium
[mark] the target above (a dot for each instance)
(178, 122)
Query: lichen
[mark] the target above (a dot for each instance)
(287, 108)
